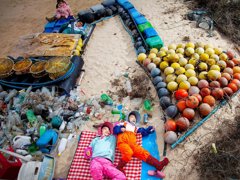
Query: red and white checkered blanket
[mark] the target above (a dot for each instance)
(80, 167)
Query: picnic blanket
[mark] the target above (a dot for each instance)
(80, 167)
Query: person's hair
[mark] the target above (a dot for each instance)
(58, 2)
(106, 126)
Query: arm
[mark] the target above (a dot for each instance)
(69, 10)
(145, 131)
(118, 129)
(89, 150)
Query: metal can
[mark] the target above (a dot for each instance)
(145, 118)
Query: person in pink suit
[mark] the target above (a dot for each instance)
(63, 10)
(101, 151)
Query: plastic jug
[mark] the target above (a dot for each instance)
(62, 146)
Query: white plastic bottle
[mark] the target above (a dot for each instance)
(62, 146)
(128, 87)
(63, 125)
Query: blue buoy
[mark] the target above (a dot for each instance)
(157, 79)
(165, 102)
(161, 85)
(163, 92)
(141, 49)
(171, 111)
(155, 72)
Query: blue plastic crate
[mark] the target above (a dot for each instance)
(150, 32)
(121, 2)
(134, 13)
(127, 5)
(140, 20)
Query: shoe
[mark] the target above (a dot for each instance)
(156, 173)
(159, 165)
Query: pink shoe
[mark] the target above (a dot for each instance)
(157, 173)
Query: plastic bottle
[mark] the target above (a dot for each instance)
(62, 146)
(145, 118)
(42, 129)
(106, 99)
(10, 95)
(96, 104)
(147, 105)
(128, 87)
(63, 125)
(30, 116)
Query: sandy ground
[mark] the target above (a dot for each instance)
(110, 52)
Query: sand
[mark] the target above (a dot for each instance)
(109, 53)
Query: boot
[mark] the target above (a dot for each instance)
(159, 165)
(121, 164)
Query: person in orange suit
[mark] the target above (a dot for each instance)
(127, 142)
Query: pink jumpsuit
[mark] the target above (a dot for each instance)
(101, 167)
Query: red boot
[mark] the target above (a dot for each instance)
(121, 164)
(159, 165)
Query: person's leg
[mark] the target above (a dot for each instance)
(110, 171)
(140, 152)
(126, 153)
(159, 165)
(145, 156)
(96, 169)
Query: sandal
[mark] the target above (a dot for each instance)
(157, 173)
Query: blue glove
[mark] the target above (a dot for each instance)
(143, 131)
(150, 129)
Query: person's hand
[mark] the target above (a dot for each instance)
(88, 153)
(123, 129)
(150, 129)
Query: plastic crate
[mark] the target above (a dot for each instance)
(140, 20)
(154, 42)
(150, 32)
(144, 26)
(134, 13)
(127, 5)
(121, 2)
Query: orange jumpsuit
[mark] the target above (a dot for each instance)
(127, 145)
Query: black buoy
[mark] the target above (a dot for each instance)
(165, 101)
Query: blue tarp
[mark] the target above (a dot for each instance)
(150, 144)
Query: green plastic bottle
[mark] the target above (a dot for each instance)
(147, 105)
(42, 129)
(105, 98)
(115, 111)
(30, 116)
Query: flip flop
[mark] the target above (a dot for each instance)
(159, 174)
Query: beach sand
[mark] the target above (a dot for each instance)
(110, 53)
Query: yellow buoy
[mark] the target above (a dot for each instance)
(202, 66)
(141, 57)
(184, 85)
(223, 57)
(168, 70)
(204, 57)
(154, 50)
(172, 86)
(170, 77)
(189, 51)
(215, 67)
(181, 78)
(163, 65)
(202, 75)
(180, 70)
(190, 44)
(190, 72)
(189, 66)
(193, 81)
